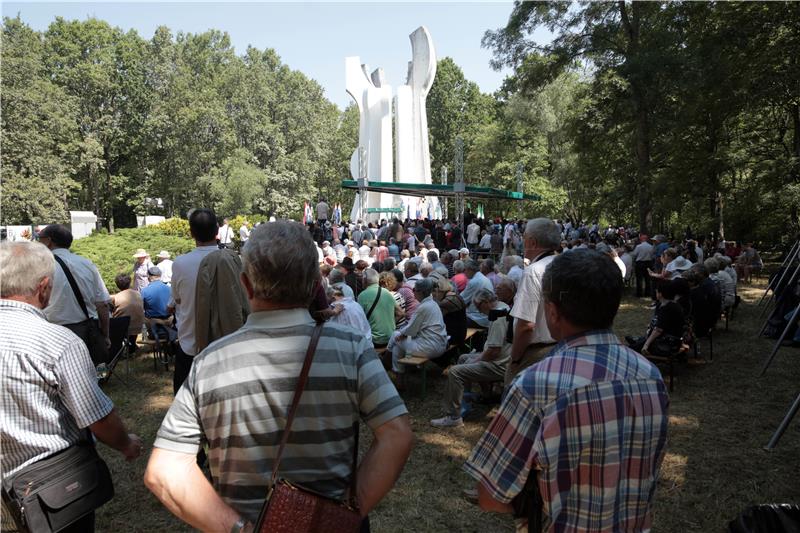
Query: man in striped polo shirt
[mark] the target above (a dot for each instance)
(238, 393)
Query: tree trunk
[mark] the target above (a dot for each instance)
(720, 210)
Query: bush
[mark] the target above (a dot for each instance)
(178, 227)
(113, 254)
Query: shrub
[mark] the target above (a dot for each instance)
(178, 227)
(113, 254)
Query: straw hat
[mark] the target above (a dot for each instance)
(141, 253)
(163, 254)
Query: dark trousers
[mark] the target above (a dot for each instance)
(642, 278)
(183, 364)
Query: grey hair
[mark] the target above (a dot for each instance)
(545, 232)
(712, 265)
(23, 265)
(508, 281)
(458, 265)
(280, 260)
(335, 276)
(424, 287)
(471, 264)
(370, 277)
(518, 260)
(484, 295)
(425, 269)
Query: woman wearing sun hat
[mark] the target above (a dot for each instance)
(141, 264)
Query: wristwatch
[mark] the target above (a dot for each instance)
(238, 527)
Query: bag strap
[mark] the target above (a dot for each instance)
(371, 309)
(298, 391)
(72, 283)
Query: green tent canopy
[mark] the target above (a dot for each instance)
(425, 189)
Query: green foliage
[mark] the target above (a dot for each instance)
(113, 254)
(175, 227)
(102, 120)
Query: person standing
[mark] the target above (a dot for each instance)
(165, 265)
(323, 211)
(202, 226)
(532, 339)
(48, 387)
(593, 411)
(140, 266)
(473, 235)
(244, 232)
(643, 259)
(225, 234)
(83, 309)
(238, 393)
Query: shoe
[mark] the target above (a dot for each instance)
(471, 495)
(102, 372)
(447, 422)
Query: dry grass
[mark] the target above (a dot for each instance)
(722, 415)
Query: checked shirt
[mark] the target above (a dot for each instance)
(48, 387)
(590, 421)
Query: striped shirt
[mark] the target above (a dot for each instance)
(591, 419)
(237, 396)
(48, 387)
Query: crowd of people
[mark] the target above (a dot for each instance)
(542, 294)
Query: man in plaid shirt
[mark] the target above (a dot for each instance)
(589, 421)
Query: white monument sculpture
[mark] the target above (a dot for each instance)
(412, 154)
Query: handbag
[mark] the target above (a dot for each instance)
(55, 492)
(89, 329)
(291, 508)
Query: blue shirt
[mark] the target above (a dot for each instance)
(156, 297)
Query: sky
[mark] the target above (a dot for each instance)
(311, 37)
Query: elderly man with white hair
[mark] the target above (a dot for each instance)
(49, 395)
(425, 335)
(532, 339)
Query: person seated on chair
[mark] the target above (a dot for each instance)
(488, 366)
(454, 310)
(156, 295)
(591, 411)
(379, 307)
(477, 281)
(347, 312)
(128, 302)
(723, 280)
(663, 337)
(425, 335)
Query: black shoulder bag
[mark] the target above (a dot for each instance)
(53, 493)
(372, 308)
(92, 336)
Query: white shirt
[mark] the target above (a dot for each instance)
(224, 234)
(529, 301)
(353, 316)
(244, 233)
(621, 264)
(627, 260)
(63, 307)
(699, 252)
(486, 241)
(165, 265)
(184, 281)
(473, 233)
